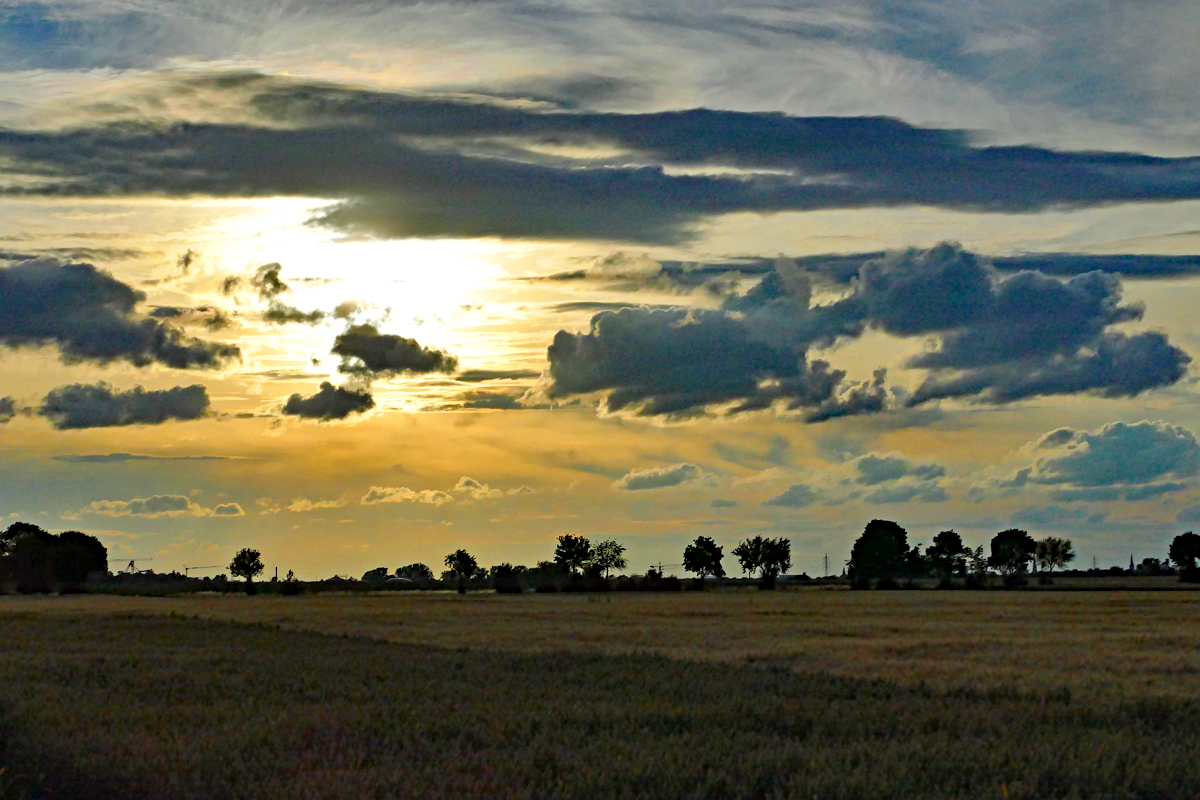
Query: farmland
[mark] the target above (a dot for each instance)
(818, 693)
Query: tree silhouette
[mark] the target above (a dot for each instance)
(948, 555)
(415, 572)
(749, 554)
(607, 556)
(881, 552)
(703, 557)
(1053, 552)
(573, 552)
(1185, 550)
(40, 561)
(768, 557)
(464, 566)
(1012, 550)
(247, 564)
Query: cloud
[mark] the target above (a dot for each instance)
(1134, 265)
(670, 362)
(121, 458)
(100, 406)
(406, 164)
(301, 505)
(8, 409)
(904, 493)
(722, 502)
(480, 375)
(89, 315)
(1054, 516)
(1109, 493)
(366, 351)
(475, 490)
(402, 494)
(873, 470)
(329, 403)
(797, 495)
(659, 477)
(267, 283)
(282, 314)
(1005, 339)
(160, 505)
(1189, 514)
(1120, 454)
(999, 339)
(496, 400)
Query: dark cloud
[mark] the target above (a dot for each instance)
(1109, 493)
(1055, 516)
(427, 165)
(906, 493)
(366, 351)
(161, 505)
(868, 397)
(8, 409)
(659, 477)
(122, 458)
(1121, 454)
(1128, 264)
(329, 403)
(89, 315)
(797, 495)
(778, 452)
(281, 314)
(999, 339)
(481, 375)
(167, 312)
(669, 362)
(722, 502)
(267, 283)
(100, 406)
(1009, 338)
(497, 400)
(873, 470)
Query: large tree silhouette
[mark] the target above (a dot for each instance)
(247, 564)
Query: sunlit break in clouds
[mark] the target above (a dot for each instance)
(359, 285)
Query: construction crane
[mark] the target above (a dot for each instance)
(187, 570)
(131, 568)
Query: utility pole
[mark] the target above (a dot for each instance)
(826, 565)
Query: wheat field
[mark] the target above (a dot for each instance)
(1096, 643)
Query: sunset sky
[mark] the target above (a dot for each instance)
(360, 283)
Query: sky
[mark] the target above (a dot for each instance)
(358, 284)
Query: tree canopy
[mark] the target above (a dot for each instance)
(881, 551)
(948, 555)
(1185, 550)
(703, 557)
(462, 564)
(768, 557)
(1012, 550)
(247, 563)
(1053, 553)
(607, 556)
(41, 561)
(573, 552)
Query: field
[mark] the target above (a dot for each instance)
(816, 693)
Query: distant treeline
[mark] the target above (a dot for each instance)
(33, 560)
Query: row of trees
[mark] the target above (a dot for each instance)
(882, 552)
(39, 561)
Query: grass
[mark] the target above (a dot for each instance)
(1098, 644)
(138, 706)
